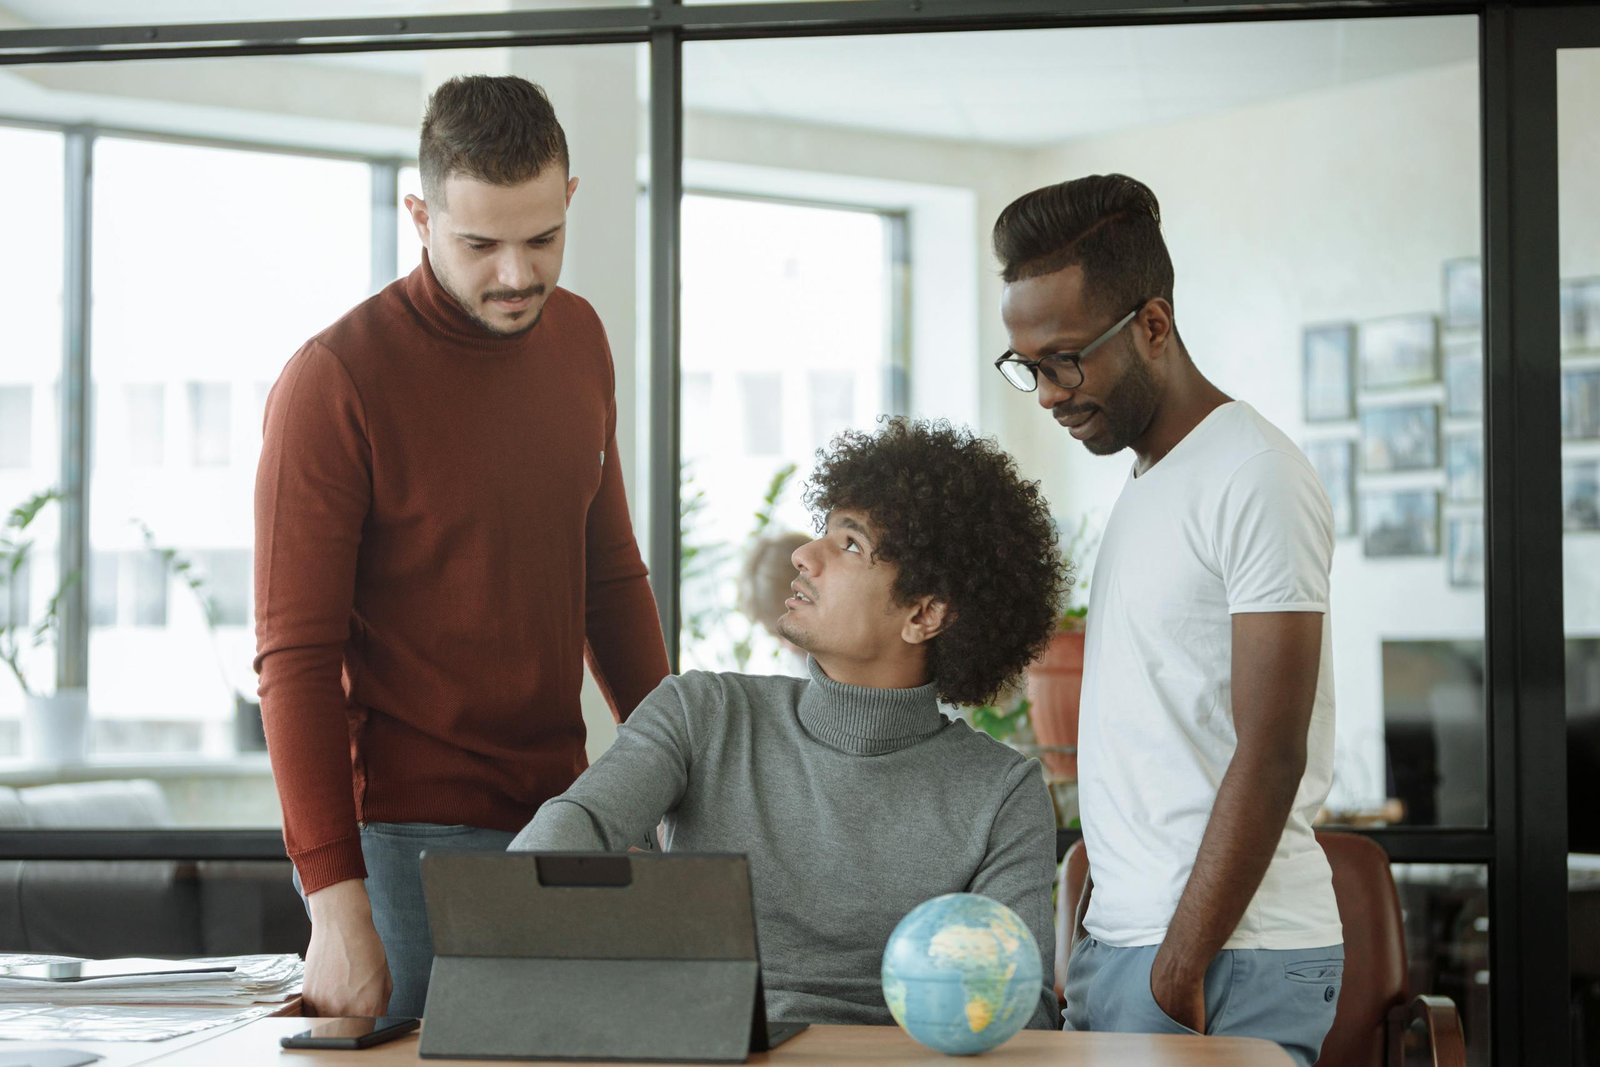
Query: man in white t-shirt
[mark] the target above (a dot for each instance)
(1205, 743)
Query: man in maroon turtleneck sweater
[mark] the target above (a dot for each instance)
(441, 537)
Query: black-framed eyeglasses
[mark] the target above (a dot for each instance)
(1065, 369)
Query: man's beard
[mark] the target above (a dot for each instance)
(495, 294)
(1128, 408)
(793, 634)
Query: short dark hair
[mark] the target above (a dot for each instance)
(500, 130)
(1108, 224)
(954, 516)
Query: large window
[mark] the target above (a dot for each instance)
(211, 267)
(30, 384)
(252, 211)
(789, 321)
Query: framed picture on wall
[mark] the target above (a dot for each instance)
(1334, 460)
(1403, 438)
(1463, 377)
(1463, 293)
(1580, 404)
(1463, 465)
(1580, 494)
(1580, 315)
(1399, 351)
(1328, 358)
(1464, 550)
(1400, 522)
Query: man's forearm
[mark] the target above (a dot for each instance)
(308, 739)
(1247, 821)
(340, 902)
(561, 825)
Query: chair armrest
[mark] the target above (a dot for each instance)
(1438, 1015)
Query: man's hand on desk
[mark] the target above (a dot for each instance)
(346, 970)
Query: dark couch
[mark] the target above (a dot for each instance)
(104, 908)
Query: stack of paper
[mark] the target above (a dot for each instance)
(101, 1022)
(253, 980)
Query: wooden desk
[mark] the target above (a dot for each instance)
(821, 1046)
(138, 1053)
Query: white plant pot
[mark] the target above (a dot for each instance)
(55, 729)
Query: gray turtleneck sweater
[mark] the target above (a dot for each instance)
(854, 805)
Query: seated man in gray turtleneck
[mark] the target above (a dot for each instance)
(936, 576)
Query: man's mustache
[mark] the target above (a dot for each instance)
(514, 294)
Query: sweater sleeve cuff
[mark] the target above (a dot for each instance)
(325, 865)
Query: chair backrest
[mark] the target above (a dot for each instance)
(1374, 950)
(1374, 943)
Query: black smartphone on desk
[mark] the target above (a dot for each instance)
(351, 1033)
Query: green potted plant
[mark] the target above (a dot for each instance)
(55, 722)
(1055, 679)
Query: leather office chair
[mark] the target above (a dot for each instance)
(1375, 1007)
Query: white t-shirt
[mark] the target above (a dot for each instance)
(1233, 519)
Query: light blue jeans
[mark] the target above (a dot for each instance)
(1282, 995)
(394, 883)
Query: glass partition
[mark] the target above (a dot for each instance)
(1445, 908)
(1331, 289)
(1578, 80)
(1319, 184)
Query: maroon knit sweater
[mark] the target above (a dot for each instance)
(441, 536)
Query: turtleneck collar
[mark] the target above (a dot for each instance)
(442, 316)
(866, 721)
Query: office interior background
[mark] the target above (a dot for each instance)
(180, 223)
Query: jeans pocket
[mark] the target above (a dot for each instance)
(1321, 979)
(1328, 971)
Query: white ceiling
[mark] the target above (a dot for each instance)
(1014, 88)
(1038, 87)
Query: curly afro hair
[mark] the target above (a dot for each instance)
(959, 523)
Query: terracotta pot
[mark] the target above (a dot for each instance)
(1055, 682)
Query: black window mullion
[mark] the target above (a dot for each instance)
(1524, 623)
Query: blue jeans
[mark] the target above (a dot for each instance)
(394, 884)
(1282, 995)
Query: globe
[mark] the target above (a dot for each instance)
(961, 974)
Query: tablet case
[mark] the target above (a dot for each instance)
(592, 957)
